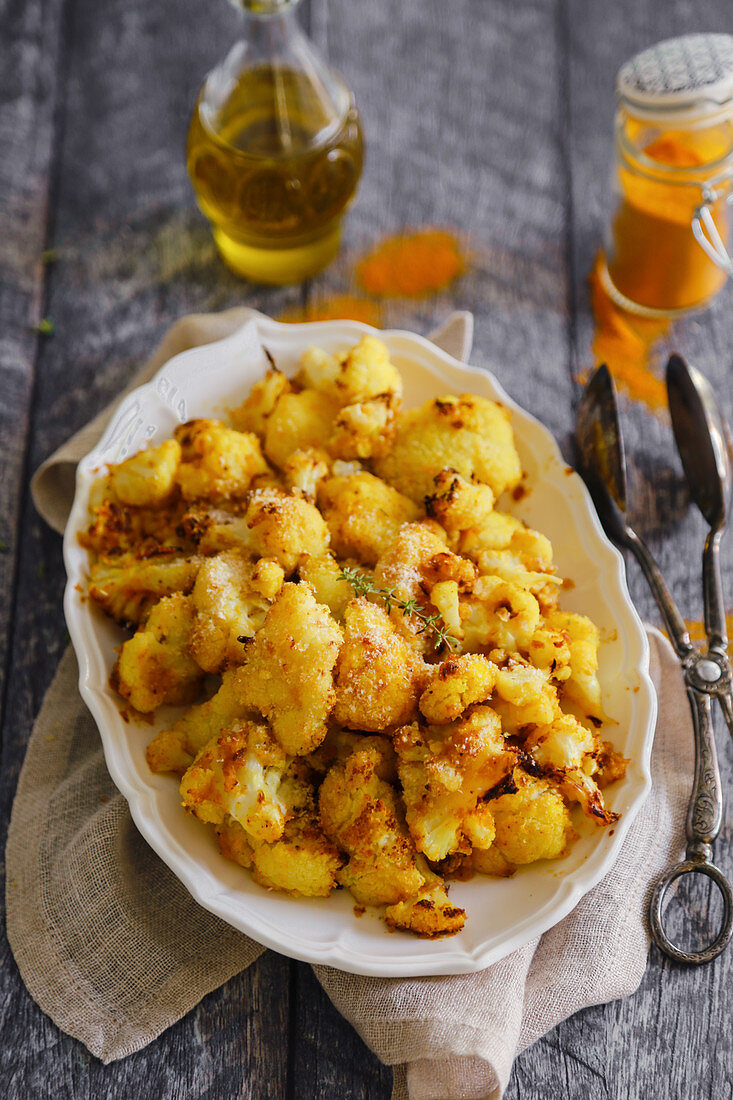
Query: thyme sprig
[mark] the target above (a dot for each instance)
(363, 585)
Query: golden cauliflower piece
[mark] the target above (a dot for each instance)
(305, 469)
(298, 421)
(429, 913)
(445, 771)
(284, 527)
(569, 752)
(154, 666)
(118, 527)
(364, 430)
(500, 615)
(126, 586)
(363, 515)
(461, 507)
(287, 673)
(303, 862)
(233, 842)
(252, 415)
(149, 477)
(470, 435)
(239, 774)
(323, 574)
(174, 749)
(531, 823)
(550, 650)
(524, 695)
(416, 565)
(490, 861)
(217, 463)
(339, 744)
(582, 687)
(455, 685)
(230, 599)
(360, 813)
(378, 677)
(365, 372)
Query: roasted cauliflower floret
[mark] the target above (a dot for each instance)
(174, 749)
(378, 677)
(445, 771)
(217, 463)
(230, 599)
(304, 470)
(416, 563)
(550, 650)
(461, 507)
(303, 862)
(287, 673)
(499, 615)
(324, 574)
(126, 586)
(117, 527)
(233, 842)
(365, 372)
(284, 527)
(490, 861)
(469, 434)
(531, 823)
(149, 477)
(363, 515)
(455, 685)
(364, 430)
(298, 421)
(239, 774)
(154, 666)
(582, 686)
(252, 415)
(569, 752)
(360, 813)
(339, 744)
(429, 913)
(524, 695)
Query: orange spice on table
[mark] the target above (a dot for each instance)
(339, 307)
(625, 343)
(412, 264)
(697, 630)
(654, 260)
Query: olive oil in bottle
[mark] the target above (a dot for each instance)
(275, 150)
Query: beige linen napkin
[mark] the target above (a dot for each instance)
(113, 948)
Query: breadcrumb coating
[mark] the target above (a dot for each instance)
(154, 666)
(360, 812)
(287, 674)
(378, 676)
(363, 515)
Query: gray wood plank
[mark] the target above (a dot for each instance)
(671, 1038)
(133, 255)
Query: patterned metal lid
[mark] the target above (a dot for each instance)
(690, 78)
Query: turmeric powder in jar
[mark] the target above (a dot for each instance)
(669, 231)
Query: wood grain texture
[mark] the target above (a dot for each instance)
(492, 118)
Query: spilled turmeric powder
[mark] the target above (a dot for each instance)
(412, 264)
(625, 343)
(339, 307)
(697, 630)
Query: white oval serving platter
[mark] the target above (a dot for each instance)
(503, 914)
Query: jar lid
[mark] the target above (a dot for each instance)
(686, 79)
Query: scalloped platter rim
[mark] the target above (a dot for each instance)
(503, 915)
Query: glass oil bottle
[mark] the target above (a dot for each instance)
(275, 150)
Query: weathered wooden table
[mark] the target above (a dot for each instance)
(494, 118)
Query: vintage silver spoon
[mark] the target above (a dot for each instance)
(603, 468)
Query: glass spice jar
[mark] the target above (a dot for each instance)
(667, 243)
(274, 149)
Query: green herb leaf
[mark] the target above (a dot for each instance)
(45, 327)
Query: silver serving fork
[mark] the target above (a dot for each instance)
(703, 442)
